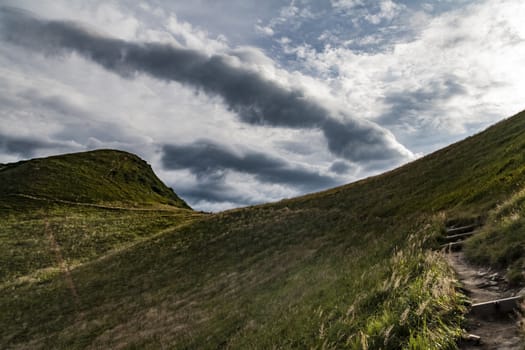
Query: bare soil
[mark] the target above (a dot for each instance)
(502, 332)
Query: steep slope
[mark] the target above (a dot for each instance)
(350, 267)
(501, 243)
(102, 176)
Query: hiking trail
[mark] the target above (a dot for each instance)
(493, 321)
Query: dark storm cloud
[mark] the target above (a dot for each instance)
(213, 187)
(340, 167)
(205, 158)
(253, 98)
(214, 191)
(23, 146)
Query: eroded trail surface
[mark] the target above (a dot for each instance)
(496, 330)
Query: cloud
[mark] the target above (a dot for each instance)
(455, 73)
(27, 147)
(264, 30)
(216, 176)
(61, 117)
(346, 4)
(405, 105)
(206, 159)
(215, 194)
(340, 167)
(254, 99)
(387, 11)
(21, 146)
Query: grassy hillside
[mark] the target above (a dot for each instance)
(103, 176)
(351, 267)
(59, 212)
(82, 233)
(501, 244)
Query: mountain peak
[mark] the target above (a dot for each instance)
(99, 176)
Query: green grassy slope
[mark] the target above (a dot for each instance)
(103, 176)
(82, 233)
(501, 243)
(86, 204)
(350, 267)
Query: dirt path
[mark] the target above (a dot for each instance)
(500, 332)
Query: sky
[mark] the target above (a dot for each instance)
(240, 102)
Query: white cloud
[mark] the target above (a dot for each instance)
(265, 30)
(428, 7)
(346, 4)
(372, 12)
(387, 11)
(194, 38)
(461, 72)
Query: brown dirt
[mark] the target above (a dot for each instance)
(497, 332)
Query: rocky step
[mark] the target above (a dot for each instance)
(458, 237)
(452, 246)
(462, 229)
(472, 339)
(496, 307)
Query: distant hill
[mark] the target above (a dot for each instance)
(102, 176)
(353, 267)
(74, 208)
